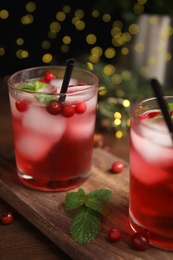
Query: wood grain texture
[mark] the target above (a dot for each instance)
(45, 210)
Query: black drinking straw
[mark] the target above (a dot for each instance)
(66, 80)
(161, 101)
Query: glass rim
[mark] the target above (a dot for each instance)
(142, 122)
(48, 68)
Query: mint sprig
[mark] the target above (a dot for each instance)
(86, 223)
(35, 86)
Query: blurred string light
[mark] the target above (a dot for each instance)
(114, 102)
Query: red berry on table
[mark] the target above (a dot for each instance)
(117, 167)
(80, 107)
(6, 217)
(49, 76)
(54, 107)
(68, 111)
(114, 234)
(21, 105)
(140, 241)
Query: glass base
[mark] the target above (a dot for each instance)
(51, 185)
(162, 242)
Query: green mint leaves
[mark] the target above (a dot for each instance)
(35, 86)
(32, 85)
(91, 206)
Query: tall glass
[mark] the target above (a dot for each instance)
(53, 147)
(151, 173)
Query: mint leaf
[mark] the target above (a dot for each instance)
(75, 200)
(26, 86)
(44, 98)
(97, 200)
(38, 85)
(170, 106)
(32, 85)
(85, 225)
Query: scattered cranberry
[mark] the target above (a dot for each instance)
(117, 167)
(68, 111)
(140, 241)
(114, 234)
(54, 107)
(80, 107)
(21, 105)
(6, 217)
(49, 76)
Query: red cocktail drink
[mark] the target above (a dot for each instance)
(53, 138)
(151, 174)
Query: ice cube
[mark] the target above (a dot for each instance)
(34, 146)
(39, 120)
(57, 83)
(152, 149)
(81, 127)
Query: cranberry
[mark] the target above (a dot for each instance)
(49, 76)
(68, 111)
(140, 241)
(114, 234)
(6, 217)
(21, 105)
(117, 167)
(54, 107)
(80, 107)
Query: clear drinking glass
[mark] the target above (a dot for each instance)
(151, 173)
(53, 148)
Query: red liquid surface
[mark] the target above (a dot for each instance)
(151, 191)
(53, 152)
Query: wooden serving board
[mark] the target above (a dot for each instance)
(45, 210)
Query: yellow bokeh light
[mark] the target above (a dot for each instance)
(4, 14)
(126, 75)
(47, 58)
(90, 65)
(118, 23)
(93, 58)
(80, 25)
(125, 51)
(20, 41)
(138, 8)
(126, 103)
(120, 92)
(64, 48)
(66, 39)
(106, 18)
(45, 45)
(168, 56)
(27, 19)
(97, 51)
(153, 20)
(144, 71)
(152, 61)
(119, 134)
(60, 16)
(55, 27)
(109, 69)
(30, 6)
(22, 54)
(110, 53)
(2, 51)
(95, 13)
(52, 35)
(133, 28)
(67, 9)
(91, 39)
(102, 91)
(139, 47)
(117, 115)
(79, 13)
(117, 121)
(116, 79)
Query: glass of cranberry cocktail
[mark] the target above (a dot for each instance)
(151, 173)
(53, 131)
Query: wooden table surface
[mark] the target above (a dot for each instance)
(20, 239)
